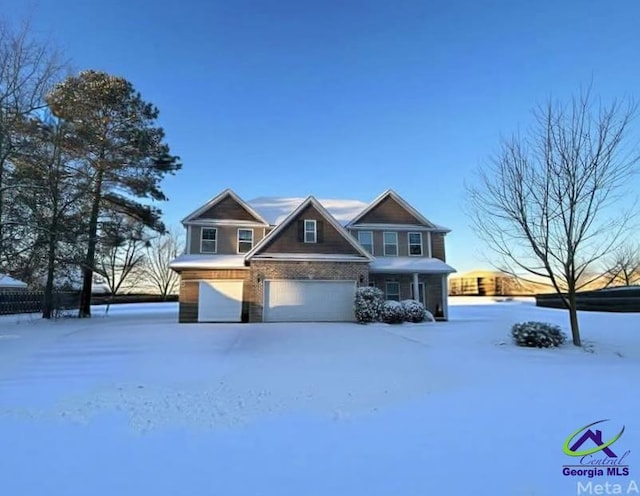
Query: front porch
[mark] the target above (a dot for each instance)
(430, 288)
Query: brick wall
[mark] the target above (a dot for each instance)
(262, 270)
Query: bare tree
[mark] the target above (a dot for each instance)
(161, 251)
(623, 266)
(121, 253)
(28, 69)
(543, 202)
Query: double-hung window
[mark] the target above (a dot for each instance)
(392, 290)
(245, 240)
(310, 232)
(365, 238)
(209, 240)
(415, 244)
(390, 244)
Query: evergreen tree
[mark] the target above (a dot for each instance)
(123, 152)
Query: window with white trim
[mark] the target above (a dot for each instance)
(208, 240)
(365, 238)
(415, 244)
(245, 240)
(390, 243)
(392, 291)
(310, 232)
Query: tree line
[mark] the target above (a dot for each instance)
(82, 159)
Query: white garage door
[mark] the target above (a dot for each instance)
(308, 301)
(220, 301)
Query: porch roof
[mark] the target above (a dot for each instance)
(410, 265)
(208, 262)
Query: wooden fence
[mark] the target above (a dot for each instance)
(604, 300)
(31, 301)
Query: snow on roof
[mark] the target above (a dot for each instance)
(410, 264)
(311, 256)
(10, 282)
(274, 209)
(208, 262)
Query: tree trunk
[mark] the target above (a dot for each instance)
(573, 318)
(87, 271)
(47, 304)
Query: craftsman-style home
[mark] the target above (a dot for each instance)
(301, 259)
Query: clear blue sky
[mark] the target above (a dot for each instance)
(344, 99)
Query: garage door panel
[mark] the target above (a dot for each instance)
(220, 301)
(308, 301)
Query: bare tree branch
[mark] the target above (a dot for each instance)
(544, 202)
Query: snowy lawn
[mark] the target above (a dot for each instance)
(133, 404)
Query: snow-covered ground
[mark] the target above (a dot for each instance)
(135, 404)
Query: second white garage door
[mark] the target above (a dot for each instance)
(308, 301)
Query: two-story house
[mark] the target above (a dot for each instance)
(295, 259)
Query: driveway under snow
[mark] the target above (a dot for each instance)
(133, 403)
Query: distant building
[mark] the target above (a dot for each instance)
(9, 284)
(494, 283)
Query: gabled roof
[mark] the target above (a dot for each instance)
(276, 209)
(310, 200)
(217, 199)
(10, 282)
(392, 194)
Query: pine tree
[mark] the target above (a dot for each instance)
(123, 152)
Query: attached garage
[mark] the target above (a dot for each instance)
(220, 301)
(308, 301)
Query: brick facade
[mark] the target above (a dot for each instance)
(262, 270)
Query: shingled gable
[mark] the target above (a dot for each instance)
(227, 206)
(334, 241)
(390, 208)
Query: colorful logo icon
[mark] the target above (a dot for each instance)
(572, 448)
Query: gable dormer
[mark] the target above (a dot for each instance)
(390, 208)
(309, 229)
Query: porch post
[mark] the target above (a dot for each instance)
(416, 287)
(445, 298)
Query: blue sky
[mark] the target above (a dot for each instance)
(344, 99)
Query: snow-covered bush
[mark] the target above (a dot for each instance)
(392, 312)
(414, 311)
(537, 335)
(368, 305)
(428, 316)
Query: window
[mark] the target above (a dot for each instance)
(365, 238)
(415, 244)
(390, 244)
(245, 240)
(393, 291)
(310, 231)
(208, 240)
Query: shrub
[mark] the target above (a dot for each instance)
(414, 311)
(368, 304)
(428, 316)
(537, 335)
(392, 312)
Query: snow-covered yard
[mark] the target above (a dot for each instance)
(134, 404)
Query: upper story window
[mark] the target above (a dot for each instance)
(390, 244)
(245, 240)
(415, 244)
(209, 240)
(365, 238)
(310, 231)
